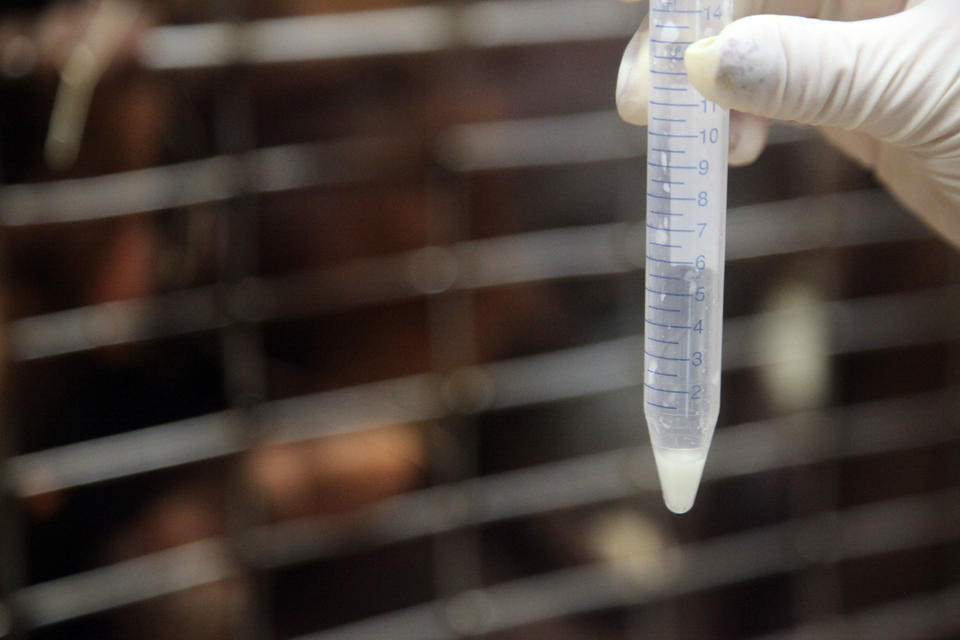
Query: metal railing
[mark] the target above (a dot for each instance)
(453, 269)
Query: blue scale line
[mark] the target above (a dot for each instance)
(678, 263)
(674, 342)
(653, 355)
(665, 293)
(666, 326)
(665, 181)
(668, 150)
(670, 26)
(650, 226)
(668, 166)
(671, 198)
(650, 306)
(669, 73)
(668, 119)
(666, 246)
(670, 89)
(663, 390)
(661, 406)
(656, 275)
(664, 213)
(660, 373)
(676, 11)
(679, 43)
(673, 104)
(673, 135)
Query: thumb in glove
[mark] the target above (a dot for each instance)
(886, 91)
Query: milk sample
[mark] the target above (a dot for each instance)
(679, 471)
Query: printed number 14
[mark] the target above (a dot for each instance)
(716, 14)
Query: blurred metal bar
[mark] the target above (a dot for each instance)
(837, 220)
(215, 179)
(429, 28)
(902, 524)
(379, 404)
(210, 436)
(845, 219)
(704, 565)
(241, 354)
(112, 323)
(869, 429)
(117, 194)
(858, 324)
(119, 456)
(548, 141)
(932, 615)
(577, 138)
(305, 38)
(142, 578)
(541, 142)
(565, 374)
(528, 492)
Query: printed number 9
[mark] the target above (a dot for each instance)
(704, 167)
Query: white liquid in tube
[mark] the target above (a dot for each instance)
(686, 225)
(679, 473)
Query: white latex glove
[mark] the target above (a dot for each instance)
(886, 90)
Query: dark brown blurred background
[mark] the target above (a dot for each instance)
(323, 322)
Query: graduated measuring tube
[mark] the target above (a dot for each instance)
(686, 221)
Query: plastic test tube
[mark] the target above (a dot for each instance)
(686, 220)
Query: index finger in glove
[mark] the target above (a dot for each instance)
(748, 134)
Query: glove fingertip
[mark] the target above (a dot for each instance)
(633, 79)
(748, 137)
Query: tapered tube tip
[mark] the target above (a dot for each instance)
(680, 473)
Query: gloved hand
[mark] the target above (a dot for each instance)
(886, 90)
